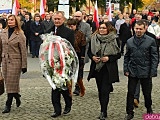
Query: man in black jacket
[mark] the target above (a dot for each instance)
(92, 23)
(137, 92)
(125, 33)
(27, 30)
(140, 64)
(60, 30)
(3, 20)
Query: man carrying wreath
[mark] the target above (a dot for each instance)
(61, 30)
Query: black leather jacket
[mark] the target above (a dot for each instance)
(141, 59)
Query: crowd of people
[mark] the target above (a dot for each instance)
(103, 45)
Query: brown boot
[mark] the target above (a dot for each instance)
(82, 88)
(136, 102)
(69, 85)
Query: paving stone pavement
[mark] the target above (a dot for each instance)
(36, 99)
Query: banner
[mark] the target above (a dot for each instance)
(5, 6)
(63, 2)
(65, 9)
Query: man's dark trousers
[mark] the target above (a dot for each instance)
(56, 95)
(146, 84)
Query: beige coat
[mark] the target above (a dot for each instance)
(13, 58)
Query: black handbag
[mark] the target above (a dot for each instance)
(1, 84)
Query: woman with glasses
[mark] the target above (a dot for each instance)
(104, 53)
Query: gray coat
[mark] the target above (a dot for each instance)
(47, 25)
(141, 59)
(85, 28)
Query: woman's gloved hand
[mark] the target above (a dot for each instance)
(24, 70)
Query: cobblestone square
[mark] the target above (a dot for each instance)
(36, 99)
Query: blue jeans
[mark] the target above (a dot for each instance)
(35, 47)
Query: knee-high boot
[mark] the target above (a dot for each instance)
(8, 103)
(69, 85)
(82, 88)
(17, 97)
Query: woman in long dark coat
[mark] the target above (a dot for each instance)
(104, 53)
(13, 57)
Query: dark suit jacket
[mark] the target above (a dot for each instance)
(64, 32)
(4, 22)
(36, 29)
(125, 32)
(27, 30)
(92, 25)
(47, 25)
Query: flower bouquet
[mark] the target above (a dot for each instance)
(58, 61)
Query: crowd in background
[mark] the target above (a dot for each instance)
(127, 19)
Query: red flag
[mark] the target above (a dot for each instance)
(42, 8)
(15, 8)
(95, 17)
(108, 11)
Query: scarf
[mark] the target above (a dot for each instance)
(104, 45)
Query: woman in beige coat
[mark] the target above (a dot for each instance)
(13, 59)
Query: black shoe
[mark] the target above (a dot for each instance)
(129, 117)
(76, 92)
(111, 89)
(149, 111)
(6, 109)
(33, 56)
(18, 101)
(102, 116)
(36, 56)
(55, 115)
(67, 110)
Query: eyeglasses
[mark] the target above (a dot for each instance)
(102, 28)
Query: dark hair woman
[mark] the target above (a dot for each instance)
(104, 53)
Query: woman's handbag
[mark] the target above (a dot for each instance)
(1, 84)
